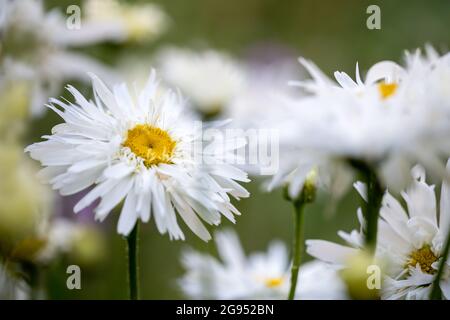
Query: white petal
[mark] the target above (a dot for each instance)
(361, 187)
(394, 214)
(384, 70)
(445, 287)
(329, 252)
(118, 171)
(85, 165)
(95, 193)
(229, 249)
(113, 198)
(444, 218)
(190, 218)
(421, 201)
(128, 216)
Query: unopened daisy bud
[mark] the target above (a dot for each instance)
(307, 193)
(362, 276)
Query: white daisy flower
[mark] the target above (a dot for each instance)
(210, 79)
(262, 275)
(122, 21)
(143, 149)
(395, 118)
(35, 47)
(410, 242)
(267, 103)
(256, 105)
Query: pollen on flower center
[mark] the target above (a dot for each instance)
(424, 257)
(152, 144)
(387, 89)
(273, 282)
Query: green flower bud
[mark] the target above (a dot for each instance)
(309, 190)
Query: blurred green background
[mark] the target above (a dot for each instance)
(334, 35)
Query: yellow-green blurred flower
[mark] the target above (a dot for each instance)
(14, 102)
(362, 275)
(89, 246)
(24, 206)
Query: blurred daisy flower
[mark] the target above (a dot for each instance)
(264, 105)
(81, 242)
(395, 118)
(262, 275)
(14, 110)
(126, 22)
(143, 149)
(255, 106)
(210, 79)
(29, 237)
(25, 206)
(35, 47)
(410, 242)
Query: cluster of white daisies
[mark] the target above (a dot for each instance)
(137, 148)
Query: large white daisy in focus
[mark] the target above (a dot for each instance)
(142, 149)
(410, 242)
(262, 275)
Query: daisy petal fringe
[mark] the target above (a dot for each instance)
(141, 149)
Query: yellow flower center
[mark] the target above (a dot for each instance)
(424, 257)
(273, 282)
(152, 144)
(387, 89)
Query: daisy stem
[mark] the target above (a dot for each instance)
(436, 293)
(133, 262)
(374, 198)
(297, 246)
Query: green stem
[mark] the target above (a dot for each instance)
(374, 198)
(133, 262)
(436, 293)
(297, 246)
